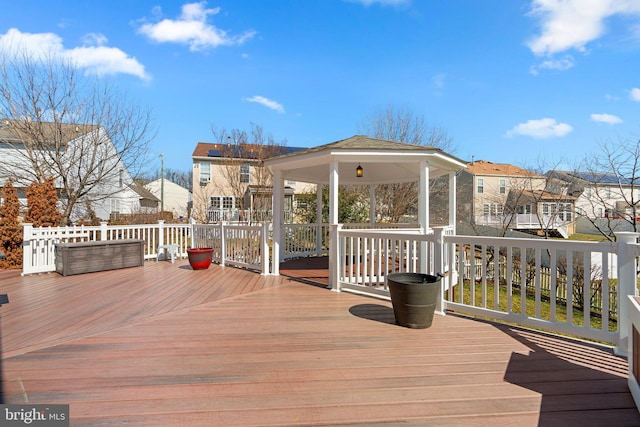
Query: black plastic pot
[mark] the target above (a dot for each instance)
(414, 297)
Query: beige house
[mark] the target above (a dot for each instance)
(173, 198)
(507, 197)
(230, 183)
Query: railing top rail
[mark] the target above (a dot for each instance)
(573, 245)
(408, 234)
(258, 226)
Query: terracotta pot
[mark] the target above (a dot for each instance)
(200, 258)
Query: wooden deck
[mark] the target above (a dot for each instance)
(165, 345)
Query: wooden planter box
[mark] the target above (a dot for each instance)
(88, 257)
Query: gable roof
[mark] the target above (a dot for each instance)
(15, 131)
(143, 192)
(543, 195)
(205, 149)
(484, 167)
(597, 178)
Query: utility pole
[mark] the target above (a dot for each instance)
(162, 184)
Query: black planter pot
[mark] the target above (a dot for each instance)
(414, 297)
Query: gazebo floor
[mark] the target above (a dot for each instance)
(165, 345)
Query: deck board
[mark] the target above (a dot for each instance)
(165, 345)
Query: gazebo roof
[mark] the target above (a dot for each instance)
(383, 161)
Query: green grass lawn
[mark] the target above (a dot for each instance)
(587, 237)
(545, 306)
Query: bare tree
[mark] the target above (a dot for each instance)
(610, 186)
(400, 124)
(243, 170)
(71, 126)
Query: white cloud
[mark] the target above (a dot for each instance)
(439, 80)
(541, 129)
(635, 94)
(571, 24)
(267, 103)
(553, 64)
(606, 118)
(94, 56)
(191, 28)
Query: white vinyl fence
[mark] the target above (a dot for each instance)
(548, 284)
(238, 245)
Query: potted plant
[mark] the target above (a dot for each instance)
(414, 297)
(200, 258)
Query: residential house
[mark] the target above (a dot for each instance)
(173, 198)
(230, 183)
(508, 197)
(80, 152)
(604, 202)
(134, 199)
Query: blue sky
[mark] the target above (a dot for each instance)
(508, 80)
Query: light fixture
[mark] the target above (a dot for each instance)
(359, 171)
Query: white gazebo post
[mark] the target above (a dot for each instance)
(319, 230)
(452, 200)
(334, 244)
(277, 219)
(423, 212)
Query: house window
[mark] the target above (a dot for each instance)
(480, 183)
(486, 209)
(115, 205)
(302, 203)
(205, 172)
(227, 202)
(545, 209)
(245, 173)
(567, 212)
(214, 202)
(503, 186)
(608, 192)
(524, 209)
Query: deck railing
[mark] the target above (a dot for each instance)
(38, 247)
(302, 240)
(238, 245)
(549, 284)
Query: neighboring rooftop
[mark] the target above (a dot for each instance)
(484, 167)
(243, 151)
(13, 131)
(596, 177)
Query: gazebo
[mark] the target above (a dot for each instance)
(359, 160)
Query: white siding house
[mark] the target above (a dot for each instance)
(84, 152)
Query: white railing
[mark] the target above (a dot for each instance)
(238, 245)
(38, 247)
(524, 221)
(549, 284)
(366, 257)
(301, 240)
(246, 216)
